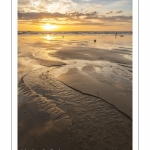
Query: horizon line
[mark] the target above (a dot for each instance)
(72, 31)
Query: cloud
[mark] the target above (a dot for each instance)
(117, 19)
(76, 18)
(42, 15)
(117, 12)
(86, 0)
(46, 5)
(24, 2)
(110, 12)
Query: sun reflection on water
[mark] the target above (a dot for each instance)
(48, 37)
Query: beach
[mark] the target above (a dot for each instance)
(75, 91)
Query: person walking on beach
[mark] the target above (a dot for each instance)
(116, 35)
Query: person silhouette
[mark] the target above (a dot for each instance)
(116, 35)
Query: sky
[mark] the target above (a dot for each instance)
(74, 15)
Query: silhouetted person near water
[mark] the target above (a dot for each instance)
(116, 35)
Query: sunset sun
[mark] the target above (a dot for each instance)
(48, 27)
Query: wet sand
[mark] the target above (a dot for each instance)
(87, 85)
(72, 97)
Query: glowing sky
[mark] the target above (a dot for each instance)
(75, 15)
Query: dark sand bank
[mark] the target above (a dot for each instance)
(84, 83)
(93, 54)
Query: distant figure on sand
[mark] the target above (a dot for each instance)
(116, 35)
(94, 40)
(121, 35)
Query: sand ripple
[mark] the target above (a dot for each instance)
(52, 115)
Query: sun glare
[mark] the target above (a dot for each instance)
(49, 27)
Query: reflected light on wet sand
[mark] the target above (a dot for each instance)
(48, 37)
